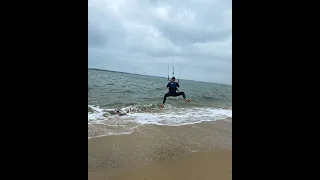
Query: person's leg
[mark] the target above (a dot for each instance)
(165, 97)
(183, 95)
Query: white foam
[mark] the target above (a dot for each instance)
(96, 115)
(112, 134)
(182, 116)
(167, 116)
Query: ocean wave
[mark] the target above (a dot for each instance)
(127, 118)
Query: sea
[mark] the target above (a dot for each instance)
(118, 102)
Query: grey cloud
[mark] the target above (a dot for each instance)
(133, 36)
(96, 38)
(181, 35)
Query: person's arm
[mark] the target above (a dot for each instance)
(168, 84)
(178, 85)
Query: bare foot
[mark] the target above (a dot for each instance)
(187, 100)
(162, 105)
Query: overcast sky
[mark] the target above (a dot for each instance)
(144, 36)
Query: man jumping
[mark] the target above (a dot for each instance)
(172, 85)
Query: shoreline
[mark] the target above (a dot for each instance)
(228, 120)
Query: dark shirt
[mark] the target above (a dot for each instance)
(172, 87)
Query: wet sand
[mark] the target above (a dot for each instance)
(191, 152)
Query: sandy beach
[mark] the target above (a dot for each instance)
(190, 152)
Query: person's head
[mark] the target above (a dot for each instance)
(173, 79)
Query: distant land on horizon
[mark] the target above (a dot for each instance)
(149, 75)
(123, 72)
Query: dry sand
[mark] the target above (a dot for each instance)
(200, 151)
